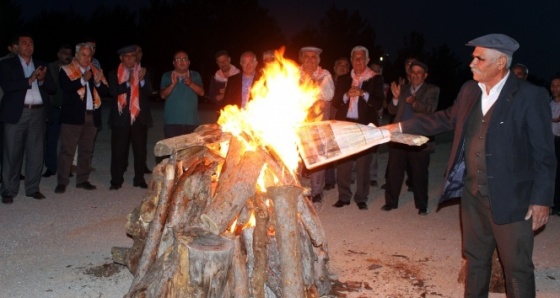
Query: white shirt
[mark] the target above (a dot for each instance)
(489, 99)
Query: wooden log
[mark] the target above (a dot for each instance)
(311, 221)
(234, 154)
(273, 270)
(307, 257)
(232, 194)
(153, 239)
(247, 237)
(199, 193)
(197, 265)
(285, 212)
(321, 268)
(202, 135)
(260, 240)
(240, 273)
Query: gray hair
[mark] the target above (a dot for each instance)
(495, 55)
(83, 45)
(360, 48)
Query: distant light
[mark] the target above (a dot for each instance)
(381, 58)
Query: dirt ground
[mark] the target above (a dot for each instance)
(61, 246)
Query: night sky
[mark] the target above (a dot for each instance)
(534, 24)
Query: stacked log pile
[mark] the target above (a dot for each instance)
(222, 220)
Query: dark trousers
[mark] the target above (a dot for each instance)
(135, 135)
(51, 140)
(557, 182)
(82, 137)
(330, 174)
(419, 160)
(481, 236)
(25, 137)
(344, 177)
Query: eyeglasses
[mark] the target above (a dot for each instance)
(182, 59)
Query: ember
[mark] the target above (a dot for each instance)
(225, 215)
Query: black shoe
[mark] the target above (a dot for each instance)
(61, 188)
(147, 170)
(37, 196)
(362, 206)
(423, 211)
(7, 199)
(115, 186)
(384, 186)
(410, 189)
(373, 183)
(317, 198)
(140, 184)
(86, 185)
(48, 173)
(388, 207)
(328, 186)
(21, 177)
(340, 203)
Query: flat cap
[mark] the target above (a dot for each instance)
(126, 50)
(499, 42)
(311, 49)
(419, 63)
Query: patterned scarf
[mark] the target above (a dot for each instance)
(74, 72)
(356, 82)
(222, 77)
(123, 76)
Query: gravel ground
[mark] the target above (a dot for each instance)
(61, 246)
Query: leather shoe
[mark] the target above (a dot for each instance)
(373, 183)
(61, 188)
(140, 184)
(423, 211)
(86, 185)
(340, 203)
(388, 207)
(317, 198)
(115, 186)
(384, 186)
(7, 199)
(21, 177)
(362, 206)
(328, 186)
(48, 173)
(37, 196)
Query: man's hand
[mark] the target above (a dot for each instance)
(392, 128)
(142, 74)
(396, 90)
(539, 214)
(174, 78)
(87, 75)
(97, 77)
(41, 72)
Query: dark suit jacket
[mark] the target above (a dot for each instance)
(232, 94)
(73, 108)
(367, 111)
(520, 156)
(15, 86)
(115, 89)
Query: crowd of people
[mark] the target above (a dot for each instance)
(502, 162)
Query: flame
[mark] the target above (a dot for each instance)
(280, 103)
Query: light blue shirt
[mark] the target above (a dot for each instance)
(33, 95)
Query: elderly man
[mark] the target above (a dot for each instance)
(219, 80)
(130, 88)
(502, 163)
(24, 111)
(409, 100)
(238, 90)
(82, 85)
(180, 89)
(310, 57)
(358, 96)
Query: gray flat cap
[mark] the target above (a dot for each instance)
(499, 42)
(311, 49)
(126, 50)
(419, 63)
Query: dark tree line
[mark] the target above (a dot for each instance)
(203, 27)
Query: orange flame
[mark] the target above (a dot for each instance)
(280, 103)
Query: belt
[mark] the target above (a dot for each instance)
(30, 106)
(89, 112)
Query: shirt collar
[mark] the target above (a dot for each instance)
(497, 88)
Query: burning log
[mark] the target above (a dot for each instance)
(231, 194)
(260, 239)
